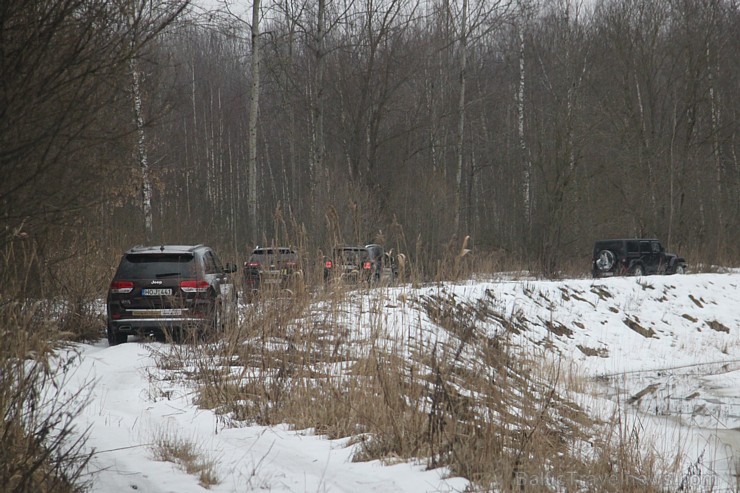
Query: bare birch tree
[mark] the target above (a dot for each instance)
(521, 24)
(253, 119)
(316, 159)
(461, 116)
(141, 150)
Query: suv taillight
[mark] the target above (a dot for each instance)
(328, 264)
(194, 286)
(121, 287)
(253, 264)
(366, 265)
(290, 265)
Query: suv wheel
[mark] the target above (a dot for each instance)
(638, 270)
(680, 270)
(229, 310)
(211, 327)
(216, 327)
(116, 338)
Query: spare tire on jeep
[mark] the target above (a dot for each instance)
(605, 260)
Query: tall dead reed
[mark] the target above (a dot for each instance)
(43, 450)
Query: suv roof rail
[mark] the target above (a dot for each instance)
(164, 246)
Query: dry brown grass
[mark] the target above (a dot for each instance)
(169, 447)
(468, 400)
(42, 449)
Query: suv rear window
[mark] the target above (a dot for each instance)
(352, 255)
(270, 252)
(150, 266)
(615, 246)
(273, 251)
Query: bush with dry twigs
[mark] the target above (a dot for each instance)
(42, 448)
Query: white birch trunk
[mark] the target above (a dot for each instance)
(645, 145)
(527, 164)
(194, 137)
(253, 114)
(461, 117)
(141, 153)
(317, 108)
(716, 152)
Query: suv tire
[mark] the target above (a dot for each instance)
(638, 270)
(213, 328)
(606, 260)
(116, 338)
(216, 327)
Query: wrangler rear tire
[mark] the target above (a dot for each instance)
(605, 260)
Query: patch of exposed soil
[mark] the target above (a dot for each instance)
(718, 326)
(634, 325)
(589, 351)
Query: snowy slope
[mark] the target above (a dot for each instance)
(130, 410)
(666, 348)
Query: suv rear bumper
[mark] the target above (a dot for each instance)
(133, 326)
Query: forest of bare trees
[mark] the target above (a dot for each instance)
(533, 126)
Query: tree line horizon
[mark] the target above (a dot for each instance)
(533, 127)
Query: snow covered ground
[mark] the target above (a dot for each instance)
(130, 411)
(665, 349)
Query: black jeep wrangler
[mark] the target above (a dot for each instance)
(635, 257)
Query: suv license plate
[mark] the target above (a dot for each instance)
(156, 292)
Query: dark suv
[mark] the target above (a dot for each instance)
(269, 267)
(354, 264)
(168, 289)
(348, 263)
(634, 256)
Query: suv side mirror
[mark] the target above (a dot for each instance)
(230, 268)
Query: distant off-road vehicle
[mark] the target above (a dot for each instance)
(349, 264)
(354, 264)
(635, 257)
(271, 268)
